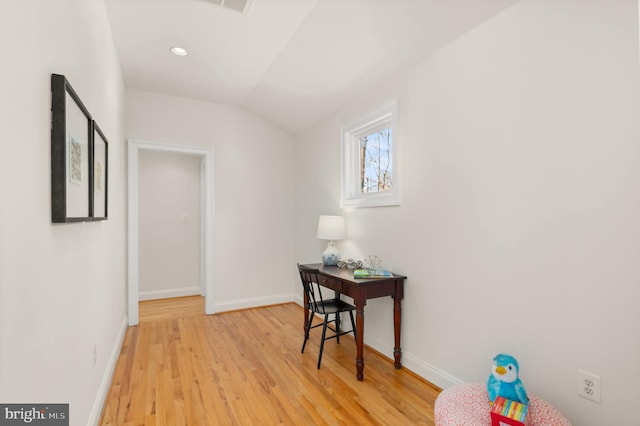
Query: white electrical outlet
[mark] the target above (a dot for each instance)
(589, 386)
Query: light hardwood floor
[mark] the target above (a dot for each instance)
(181, 367)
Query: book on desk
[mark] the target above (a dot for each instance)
(371, 273)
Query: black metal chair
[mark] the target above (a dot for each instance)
(317, 304)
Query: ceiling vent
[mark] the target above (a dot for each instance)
(241, 6)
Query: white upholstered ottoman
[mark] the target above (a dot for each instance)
(468, 405)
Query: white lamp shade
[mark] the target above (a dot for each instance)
(331, 228)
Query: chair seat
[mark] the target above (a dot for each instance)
(468, 404)
(332, 306)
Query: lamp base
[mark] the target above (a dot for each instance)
(330, 255)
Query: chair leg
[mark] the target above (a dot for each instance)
(324, 333)
(306, 332)
(338, 327)
(353, 325)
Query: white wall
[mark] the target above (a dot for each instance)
(252, 184)
(169, 224)
(518, 229)
(62, 287)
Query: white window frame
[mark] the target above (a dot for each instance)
(352, 195)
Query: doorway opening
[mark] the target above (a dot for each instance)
(206, 215)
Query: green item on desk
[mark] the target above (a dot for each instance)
(371, 273)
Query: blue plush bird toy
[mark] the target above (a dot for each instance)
(504, 380)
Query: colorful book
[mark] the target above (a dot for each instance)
(371, 273)
(507, 412)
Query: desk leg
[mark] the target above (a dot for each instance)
(305, 303)
(397, 311)
(359, 340)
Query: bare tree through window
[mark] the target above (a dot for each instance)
(376, 173)
(370, 170)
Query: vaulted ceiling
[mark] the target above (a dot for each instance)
(292, 62)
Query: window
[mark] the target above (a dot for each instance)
(369, 172)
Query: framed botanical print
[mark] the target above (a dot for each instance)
(71, 146)
(100, 174)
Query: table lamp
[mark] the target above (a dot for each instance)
(331, 228)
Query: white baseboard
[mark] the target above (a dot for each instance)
(429, 372)
(105, 384)
(166, 294)
(423, 369)
(298, 299)
(253, 302)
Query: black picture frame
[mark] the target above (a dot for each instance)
(71, 154)
(100, 174)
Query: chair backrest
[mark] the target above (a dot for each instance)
(311, 286)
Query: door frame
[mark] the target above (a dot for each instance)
(206, 205)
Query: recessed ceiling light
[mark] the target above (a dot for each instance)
(180, 51)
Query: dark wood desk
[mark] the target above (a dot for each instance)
(342, 282)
